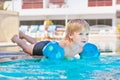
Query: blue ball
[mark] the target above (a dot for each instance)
(53, 50)
(90, 51)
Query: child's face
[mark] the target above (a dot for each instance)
(80, 37)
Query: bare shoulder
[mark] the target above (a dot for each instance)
(62, 43)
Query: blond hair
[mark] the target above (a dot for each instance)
(75, 25)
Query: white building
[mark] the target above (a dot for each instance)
(105, 12)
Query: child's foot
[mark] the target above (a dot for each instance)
(13, 39)
(21, 35)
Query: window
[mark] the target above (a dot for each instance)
(93, 3)
(27, 4)
(118, 2)
(100, 22)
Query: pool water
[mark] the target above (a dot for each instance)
(107, 67)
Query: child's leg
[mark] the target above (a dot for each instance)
(22, 43)
(28, 38)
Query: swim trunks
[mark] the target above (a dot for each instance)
(37, 50)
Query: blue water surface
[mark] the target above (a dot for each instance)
(104, 68)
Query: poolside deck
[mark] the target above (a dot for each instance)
(13, 55)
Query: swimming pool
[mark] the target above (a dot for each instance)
(107, 67)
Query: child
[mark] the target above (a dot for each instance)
(76, 36)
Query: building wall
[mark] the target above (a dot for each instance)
(77, 3)
(87, 9)
(8, 20)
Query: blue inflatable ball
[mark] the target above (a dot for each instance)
(53, 50)
(90, 51)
